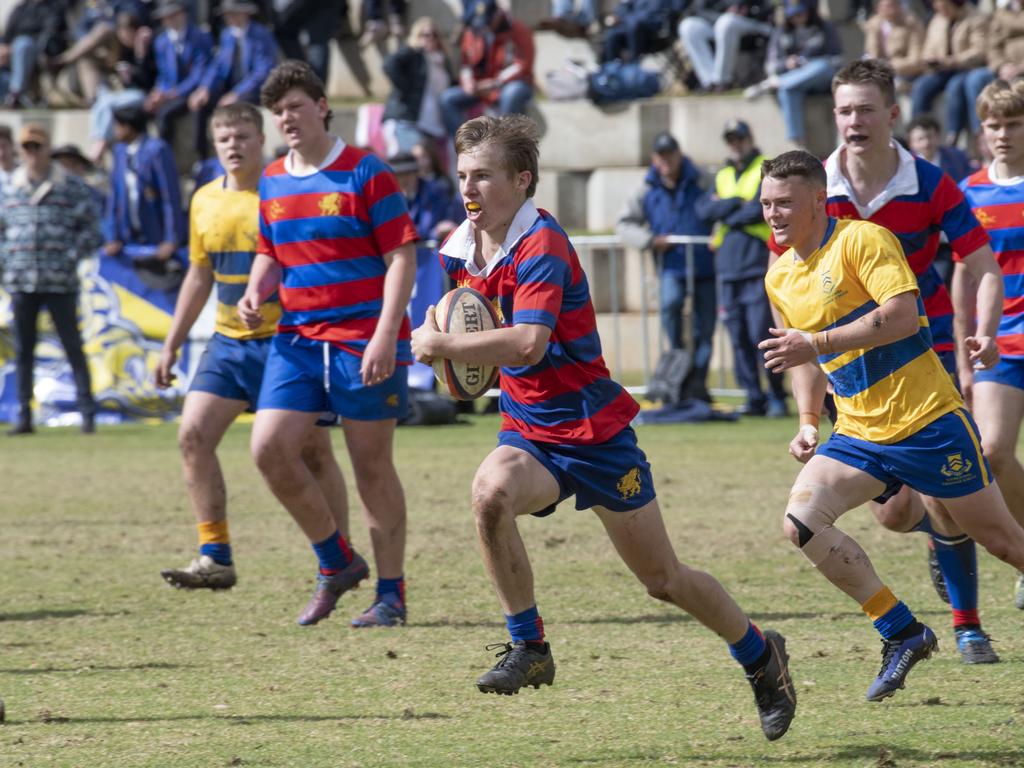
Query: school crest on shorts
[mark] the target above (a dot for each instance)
(391, 401)
(629, 484)
(956, 466)
(330, 204)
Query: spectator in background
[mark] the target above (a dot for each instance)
(723, 23)
(637, 27)
(495, 65)
(134, 73)
(667, 204)
(896, 34)
(955, 50)
(432, 169)
(924, 139)
(35, 29)
(419, 71)
(95, 35)
(428, 201)
(245, 55)
(8, 157)
(182, 53)
(571, 18)
(143, 221)
(317, 21)
(47, 224)
(1005, 42)
(71, 159)
(741, 261)
(377, 28)
(802, 57)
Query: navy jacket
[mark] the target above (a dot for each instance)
(259, 57)
(160, 215)
(658, 210)
(741, 255)
(179, 73)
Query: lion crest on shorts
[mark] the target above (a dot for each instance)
(330, 205)
(629, 484)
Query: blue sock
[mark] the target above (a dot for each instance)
(526, 625)
(924, 525)
(391, 590)
(330, 554)
(894, 621)
(219, 553)
(958, 561)
(750, 650)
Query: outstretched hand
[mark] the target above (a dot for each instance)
(787, 349)
(425, 337)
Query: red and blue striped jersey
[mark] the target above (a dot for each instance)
(329, 231)
(536, 277)
(1000, 209)
(920, 202)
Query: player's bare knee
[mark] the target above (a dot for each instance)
(492, 505)
(999, 456)
(812, 510)
(313, 458)
(894, 515)
(193, 442)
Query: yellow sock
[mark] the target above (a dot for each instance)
(879, 604)
(213, 533)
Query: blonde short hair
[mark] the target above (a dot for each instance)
(1001, 99)
(515, 135)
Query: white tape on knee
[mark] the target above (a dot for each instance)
(816, 508)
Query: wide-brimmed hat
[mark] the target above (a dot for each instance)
(167, 7)
(238, 6)
(70, 150)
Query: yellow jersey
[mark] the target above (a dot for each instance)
(223, 224)
(886, 393)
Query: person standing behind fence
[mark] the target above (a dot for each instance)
(666, 205)
(48, 222)
(741, 260)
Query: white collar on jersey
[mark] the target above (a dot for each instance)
(904, 182)
(334, 154)
(462, 245)
(1009, 182)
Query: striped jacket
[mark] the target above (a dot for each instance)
(44, 231)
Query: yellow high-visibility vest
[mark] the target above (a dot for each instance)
(745, 187)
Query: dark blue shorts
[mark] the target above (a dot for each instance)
(232, 368)
(614, 474)
(315, 376)
(1009, 371)
(943, 460)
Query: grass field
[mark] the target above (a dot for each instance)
(103, 665)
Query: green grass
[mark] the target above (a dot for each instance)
(103, 665)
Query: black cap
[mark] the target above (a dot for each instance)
(403, 162)
(737, 129)
(132, 115)
(70, 150)
(665, 143)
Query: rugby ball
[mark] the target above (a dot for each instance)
(465, 310)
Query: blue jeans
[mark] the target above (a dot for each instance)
(961, 91)
(566, 9)
(793, 86)
(705, 307)
(512, 99)
(101, 115)
(23, 63)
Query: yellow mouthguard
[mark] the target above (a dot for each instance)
(472, 206)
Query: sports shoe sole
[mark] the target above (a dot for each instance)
(927, 655)
(181, 580)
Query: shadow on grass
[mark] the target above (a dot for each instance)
(54, 613)
(870, 755)
(95, 668)
(647, 618)
(55, 719)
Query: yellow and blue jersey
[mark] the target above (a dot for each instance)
(224, 224)
(886, 393)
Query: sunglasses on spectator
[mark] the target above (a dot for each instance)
(31, 146)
